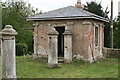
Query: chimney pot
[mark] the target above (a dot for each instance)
(78, 5)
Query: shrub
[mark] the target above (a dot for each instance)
(21, 49)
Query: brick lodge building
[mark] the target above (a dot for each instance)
(68, 33)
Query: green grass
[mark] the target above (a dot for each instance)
(0, 67)
(106, 68)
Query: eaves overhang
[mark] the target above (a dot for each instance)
(68, 18)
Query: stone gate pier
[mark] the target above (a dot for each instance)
(53, 52)
(68, 46)
(8, 52)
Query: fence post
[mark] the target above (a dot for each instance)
(8, 52)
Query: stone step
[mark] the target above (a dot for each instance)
(60, 59)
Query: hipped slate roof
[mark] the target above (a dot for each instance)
(66, 13)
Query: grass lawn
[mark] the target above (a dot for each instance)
(0, 67)
(106, 68)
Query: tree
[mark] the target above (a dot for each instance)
(97, 9)
(117, 32)
(15, 13)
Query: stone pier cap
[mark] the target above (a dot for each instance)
(53, 32)
(8, 31)
(67, 32)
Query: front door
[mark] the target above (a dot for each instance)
(60, 30)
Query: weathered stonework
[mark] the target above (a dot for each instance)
(52, 48)
(111, 53)
(67, 46)
(8, 52)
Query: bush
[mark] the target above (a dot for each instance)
(21, 49)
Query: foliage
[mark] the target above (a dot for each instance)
(107, 35)
(117, 33)
(15, 13)
(21, 49)
(96, 8)
(105, 68)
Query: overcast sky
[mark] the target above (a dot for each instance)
(48, 5)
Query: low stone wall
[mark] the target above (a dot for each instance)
(111, 53)
(39, 57)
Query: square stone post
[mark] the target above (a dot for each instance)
(8, 52)
(67, 46)
(53, 48)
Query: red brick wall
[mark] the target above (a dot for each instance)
(83, 37)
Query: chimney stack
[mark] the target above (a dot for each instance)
(78, 5)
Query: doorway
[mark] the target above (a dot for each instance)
(60, 43)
